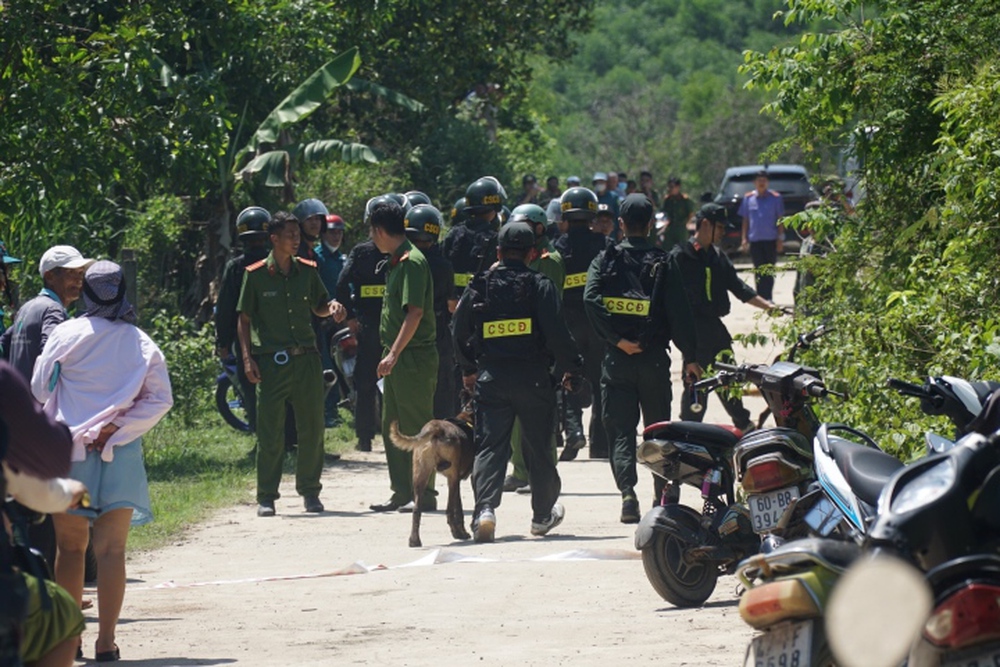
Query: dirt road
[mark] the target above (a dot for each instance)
(343, 588)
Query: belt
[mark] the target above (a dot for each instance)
(281, 357)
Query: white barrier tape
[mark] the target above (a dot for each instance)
(436, 557)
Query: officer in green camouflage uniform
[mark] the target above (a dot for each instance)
(279, 296)
(410, 362)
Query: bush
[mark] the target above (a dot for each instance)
(155, 232)
(192, 366)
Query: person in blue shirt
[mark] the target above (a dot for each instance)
(330, 262)
(5, 290)
(763, 233)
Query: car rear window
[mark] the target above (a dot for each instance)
(788, 184)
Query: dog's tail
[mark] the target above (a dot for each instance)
(407, 443)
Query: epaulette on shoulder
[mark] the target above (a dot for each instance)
(257, 265)
(775, 193)
(307, 262)
(405, 255)
(748, 193)
(684, 195)
(545, 254)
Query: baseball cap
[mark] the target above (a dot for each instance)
(516, 235)
(62, 257)
(600, 176)
(636, 209)
(604, 209)
(7, 259)
(573, 180)
(712, 212)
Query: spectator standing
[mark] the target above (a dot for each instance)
(646, 187)
(551, 192)
(636, 303)
(763, 232)
(5, 290)
(330, 262)
(623, 185)
(529, 190)
(280, 295)
(409, 365)
(679, 209)
(107, 414)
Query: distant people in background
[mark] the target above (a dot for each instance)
(600, 182)
(646, 187)
(572, 182)
(5, 290)
(613, 186)
(631, 187)
(679, 209)
(623, 184)
(330, 262)
(603, 223)
(551, 191)
(529, 190)
(763, 233)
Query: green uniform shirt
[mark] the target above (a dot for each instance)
(550, 264)
(280, 306)
(408, 283)
(678, 210)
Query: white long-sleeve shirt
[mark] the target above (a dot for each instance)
(94, 372)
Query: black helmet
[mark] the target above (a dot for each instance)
(713, 212)
(252, 221)
(403, 202)
(423, 223)
(308, 208)
(417, 197)
(485, 194)
(458, 214)
(529, 213)
(375, 200)
(578, 204)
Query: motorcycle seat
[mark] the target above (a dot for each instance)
(707, 435)
(867, 470)
(805, 551)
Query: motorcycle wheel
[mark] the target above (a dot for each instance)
(230, 405)
(678, 582)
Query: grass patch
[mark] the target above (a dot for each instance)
(197, 469)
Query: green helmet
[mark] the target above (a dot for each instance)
(423, 223)
(308, 208)
(578, 204)
(416, 197)
(529, 213)
(485, 194)
(458, 214)
(252, 221)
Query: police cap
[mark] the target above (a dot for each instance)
(516, 235)
(713, 213)
(636, 209)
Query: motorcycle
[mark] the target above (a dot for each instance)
(684, 551)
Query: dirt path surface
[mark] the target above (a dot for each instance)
(249, 591)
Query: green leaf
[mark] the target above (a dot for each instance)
(274, 166)
(349, 152)
(307, 97)
(365, 86)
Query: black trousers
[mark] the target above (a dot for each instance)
(502, 394)
(446, 393)
(365, 379)
(764, 254)
(592, 350)
(715, 343)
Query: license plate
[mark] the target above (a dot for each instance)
(766, 509)
(784, 645)
(985, 658)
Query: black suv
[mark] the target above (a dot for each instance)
(790, 180)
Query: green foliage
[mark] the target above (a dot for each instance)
(188, 351)
(911, 288)
(155, 232)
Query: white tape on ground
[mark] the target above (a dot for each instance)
(436, 557)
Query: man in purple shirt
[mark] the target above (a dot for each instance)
(763, 233)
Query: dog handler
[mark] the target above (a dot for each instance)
(410, 360)
(508, 327)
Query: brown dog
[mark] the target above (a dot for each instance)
(445, 445)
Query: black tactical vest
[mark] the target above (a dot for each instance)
(578, 247)
(470, 250)
(503, 307)
(629, 289)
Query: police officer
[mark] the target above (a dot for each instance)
(508, 329)
(578, 247)
(330, 262)
(423, 226)
(471, 247)
(311, 214)
(360, 288)
(709, 278)
(549, 263)
(409, 362)
(280, 295)
(251, 229)
(636, 303)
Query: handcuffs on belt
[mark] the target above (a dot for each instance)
(281, 357)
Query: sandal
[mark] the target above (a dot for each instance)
(107, 656)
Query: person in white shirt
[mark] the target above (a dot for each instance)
(107, 381)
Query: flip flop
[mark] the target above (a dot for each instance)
(107, 656)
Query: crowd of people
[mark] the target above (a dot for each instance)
(568, 301)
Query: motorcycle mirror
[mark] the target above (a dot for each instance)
(876, 612)
(937, 444)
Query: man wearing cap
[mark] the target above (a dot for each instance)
(330, 262)
(280, 296)
(636, 303)
(763, 232)
(709, 278)
(606, 196)
(62, 268)
(508, 330)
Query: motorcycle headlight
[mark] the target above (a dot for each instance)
(925, 488)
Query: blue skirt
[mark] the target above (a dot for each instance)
(116, 485)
